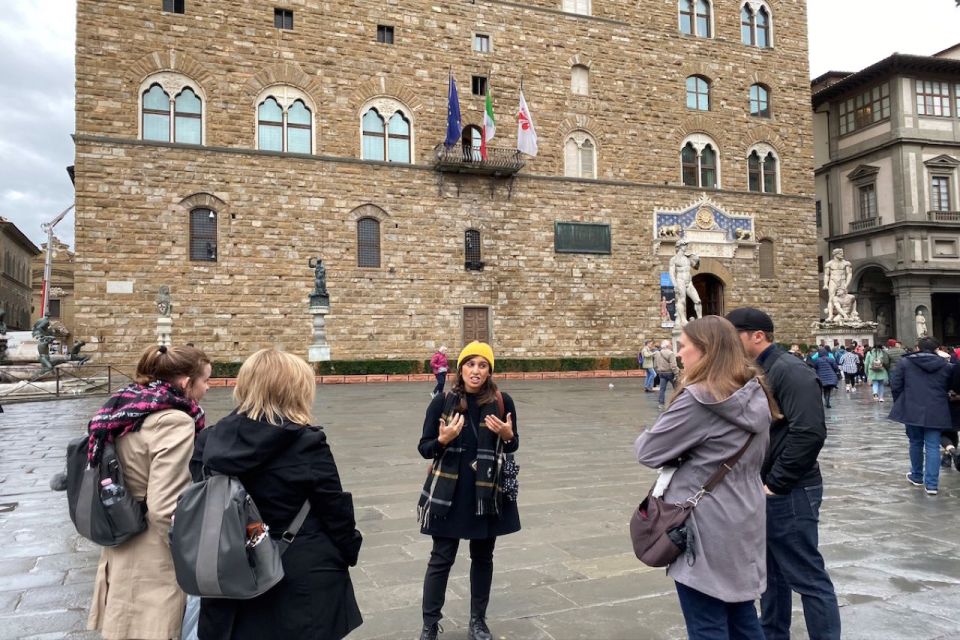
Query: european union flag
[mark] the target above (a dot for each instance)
(454, 127)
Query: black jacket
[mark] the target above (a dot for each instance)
(281, 467)
(795, 439)
(920, 384)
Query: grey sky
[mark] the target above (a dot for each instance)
(36, 83)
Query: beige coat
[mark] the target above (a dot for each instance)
(136, 593)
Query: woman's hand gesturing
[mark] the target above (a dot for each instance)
(448, 432)
(499, 427)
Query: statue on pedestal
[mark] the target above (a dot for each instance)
(164, 304)
(843, 307)
(320, 295)
(921, 324)
(836, 277)
(681, 273)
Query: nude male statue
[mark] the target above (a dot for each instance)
(681, 273)
(836, 276)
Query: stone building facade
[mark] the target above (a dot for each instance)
(887, 156)
(16, 252)
(220, 148)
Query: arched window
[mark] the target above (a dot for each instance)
(203, 235)
(763, 28)
(386, 132)
(171, 109)
(580, 80)
(698, 93)
(759, 101)
(471, 250)
(762, 170)
(471, 139)
(284, 120)
(695, 17)
(580, 156)
(368, 242)
(699, 162)
(767, 259)
(686, 16)
(746, 25)
(703, 18)
(755, 24)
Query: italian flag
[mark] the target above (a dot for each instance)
(489, 125)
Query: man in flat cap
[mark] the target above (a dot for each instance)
(794, 487)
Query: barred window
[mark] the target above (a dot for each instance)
(767, 259)
(283, 19)
(174, 6)
(933, 98)
(368, 242)
(203, 235)
(866, 109)
(471, 250)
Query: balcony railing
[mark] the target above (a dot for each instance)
(943, 216)
(500, 161)
(866, 223)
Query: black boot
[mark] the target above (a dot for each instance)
(478, 629)
(430, 631)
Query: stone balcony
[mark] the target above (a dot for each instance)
(864, 224)
(943, 216)
(500, 161)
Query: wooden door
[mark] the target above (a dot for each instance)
(476, 324)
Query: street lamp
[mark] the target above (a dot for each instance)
(48, 263)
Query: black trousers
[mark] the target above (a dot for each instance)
(438, 570)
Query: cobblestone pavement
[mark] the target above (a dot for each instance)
(893, 552)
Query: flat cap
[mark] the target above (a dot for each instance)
(750, 319)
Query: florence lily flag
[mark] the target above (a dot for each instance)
(489, 124)
(526, 134)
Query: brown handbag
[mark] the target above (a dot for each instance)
(654, 520)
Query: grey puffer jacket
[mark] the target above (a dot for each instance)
(729, 525)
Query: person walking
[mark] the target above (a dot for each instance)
(152, 423)
(438, 363)
(646, 355)
(665, 366)
(267, 442)
(828, 373)
(919, 385)
(876, 363)
(850, 365)
(721, 406)
(464, 433)
(895, 351)
(794, 488)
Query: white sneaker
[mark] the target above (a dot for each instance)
(848, 388)
(881, 400)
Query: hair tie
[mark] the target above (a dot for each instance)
(162, 348)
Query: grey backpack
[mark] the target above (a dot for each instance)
(220, 545)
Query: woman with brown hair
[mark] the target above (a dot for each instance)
(464, 432)
(152, 423)
(720, 407)
(282, 461)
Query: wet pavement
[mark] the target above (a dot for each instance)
(893, 552)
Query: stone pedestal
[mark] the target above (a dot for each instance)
(164, 329)
(832, 335)
(319, 351)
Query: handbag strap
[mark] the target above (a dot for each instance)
(291, 533)
(721, 472)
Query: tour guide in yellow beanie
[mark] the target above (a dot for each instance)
(476, 348)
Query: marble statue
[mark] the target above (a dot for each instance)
(921, 324)
(844, 307)
(681, 273)
(882, 323)
(836, 277)
(164, 304)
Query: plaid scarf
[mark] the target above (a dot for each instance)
(436, 497)
(126, 410)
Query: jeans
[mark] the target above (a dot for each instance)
(878, 387)
(649, 379)
(827, 390)
(664, 379)
(438, 570)
(441, 380)
(708, 618)
(794, 563)
(924, 455)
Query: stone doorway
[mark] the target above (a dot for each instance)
(710, 288)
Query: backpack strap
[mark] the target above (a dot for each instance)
(500, 407)
(291, 533)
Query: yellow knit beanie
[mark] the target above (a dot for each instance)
(476, 348)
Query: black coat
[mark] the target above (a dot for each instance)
(281, 467)
(919, 385)
(795, 439)
(955, 403)
(462, 521)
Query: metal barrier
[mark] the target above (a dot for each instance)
(67, 382)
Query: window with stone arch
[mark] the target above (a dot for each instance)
(580, 80)
(700, 162)
(698, 93)
(368, 242)
(577, 6)
(760, 100)
(386, 131)
(203, 235)
(580, 155)
(172, 109)
(696, 18)
(763, 169)
(756, 24)
(285, 120)
(767, 259)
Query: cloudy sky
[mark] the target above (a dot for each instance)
(36, 83)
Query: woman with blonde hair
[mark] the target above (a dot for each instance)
(720, 408)
(282, 461)
(152, 423)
